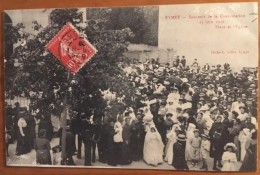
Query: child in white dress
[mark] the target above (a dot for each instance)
(189, 135)
(172, 138)
(153, 147)
(229, 157)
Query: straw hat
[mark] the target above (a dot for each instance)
(169, 113)
(213, 108)
(232, 145)
(204, 108)
(179, 108)
(22, 113)
(181, 137)
(205, 136)
(196, 130)
(242, 106)
(191, 125)
(214, 99)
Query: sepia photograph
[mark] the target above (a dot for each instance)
(168, 87)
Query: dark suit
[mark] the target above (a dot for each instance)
(87, 133)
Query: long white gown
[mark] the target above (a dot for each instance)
(172, 138)
(243, 137)
(153, 147)
(189, 135)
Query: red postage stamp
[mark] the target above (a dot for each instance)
(71, 49)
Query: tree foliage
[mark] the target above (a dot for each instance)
(143, 21)
(41, 77)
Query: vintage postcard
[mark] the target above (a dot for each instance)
(169, 87)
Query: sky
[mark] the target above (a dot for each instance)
(27, 16)
(195, 40)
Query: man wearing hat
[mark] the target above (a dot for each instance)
(103, 140)
(243, 96)
(168, 123)
(216, 142)
(8, 117)
(70, 147)
(177, 114)
(137, 138)
(9, 121)
(111, 159)
(181, 102)
(195, 65)
(16, 113)
(179, 162)
(195, 99)
(87, 131)
(126, 156)
(251, 107)
(183, 61)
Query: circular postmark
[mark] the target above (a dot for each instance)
(71, 49)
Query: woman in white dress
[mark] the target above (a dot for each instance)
(189, 135)
(243, 137)
(172, 138)
(153, 147)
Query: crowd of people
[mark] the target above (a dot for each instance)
(182, 115)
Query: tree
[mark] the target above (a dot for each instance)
(11, 37)
(143, 21)
(43, 78)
